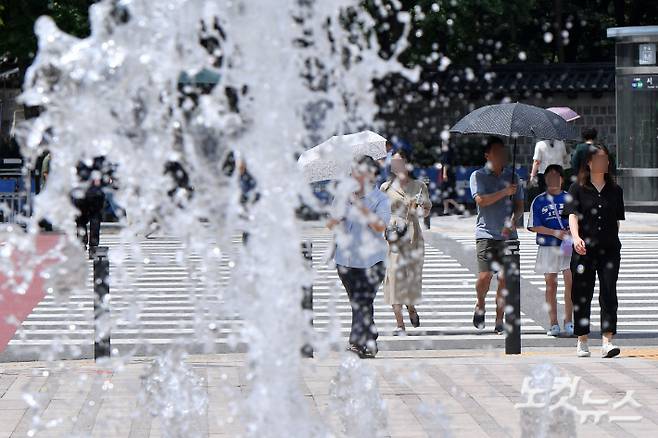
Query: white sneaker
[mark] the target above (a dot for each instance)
(554, 331)
(568, 328)
(399, 331)
(609, 350)
(582, 349)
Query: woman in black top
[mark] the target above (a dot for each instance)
(595, 209)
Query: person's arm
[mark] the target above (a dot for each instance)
(578, 243)
(518, 212)
(519, 198)
(332, 222)
(559, 234)
(621, 210)
(426, 203)
(378, 219)
(536, 161)
(572, 209)
(487, 200)
(336, 216)
(535, 169)
(374, 222)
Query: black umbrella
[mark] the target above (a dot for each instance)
(515, 120)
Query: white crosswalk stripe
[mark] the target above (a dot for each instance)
(637, 287)
(158, 307)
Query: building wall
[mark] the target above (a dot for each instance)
(8, 98)
(422, 118)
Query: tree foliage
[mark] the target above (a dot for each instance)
(17, 17)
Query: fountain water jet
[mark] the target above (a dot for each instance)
(116, 94)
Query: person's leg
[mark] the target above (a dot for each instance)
(81, 226)
(376, 278)
(347, 278)
(584, 277)
(481, 288)
(399, 319)
(551, 297)
(483, 282)
(413, 315)
(568, 303)
(608, 271)
(95, 228)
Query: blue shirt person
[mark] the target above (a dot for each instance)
(554, 251)
(546, 211)
(493, 218)
(361, 251)
(357, 244)
(492, 188)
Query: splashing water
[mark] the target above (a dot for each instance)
(289, 71)
(356, 399)
(545, 421)
(175, 394)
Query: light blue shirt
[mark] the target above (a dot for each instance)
(358, 245)
(491, 220)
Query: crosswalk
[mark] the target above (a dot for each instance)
(157, 300)
(637, 287)
(446, 310)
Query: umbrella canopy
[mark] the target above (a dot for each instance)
(565, 112)
(515, 120)
(333, 158)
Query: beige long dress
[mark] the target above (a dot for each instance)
(404, 269)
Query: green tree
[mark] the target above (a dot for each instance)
(479, 33)
(17, 17)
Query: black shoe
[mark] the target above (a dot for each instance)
(367, 354)
(478, 319)
(499, 329)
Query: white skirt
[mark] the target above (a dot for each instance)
(551, 260)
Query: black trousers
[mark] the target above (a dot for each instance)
(91, 212)
(603, 262)
(361, 286)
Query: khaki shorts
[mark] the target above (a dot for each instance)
(490, 254)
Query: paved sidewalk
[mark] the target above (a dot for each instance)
(426, 394)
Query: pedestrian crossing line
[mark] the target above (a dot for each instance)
(637, 287)
(170, 288)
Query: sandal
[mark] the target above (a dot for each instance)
(356, 350)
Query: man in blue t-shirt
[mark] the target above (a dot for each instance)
(554, 252)
(499, 198)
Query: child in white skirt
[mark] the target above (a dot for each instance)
(554, 251)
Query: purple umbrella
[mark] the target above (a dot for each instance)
(565, 112)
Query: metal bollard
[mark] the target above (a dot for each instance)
(307, 299)
(102, 346)
(512, 268)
